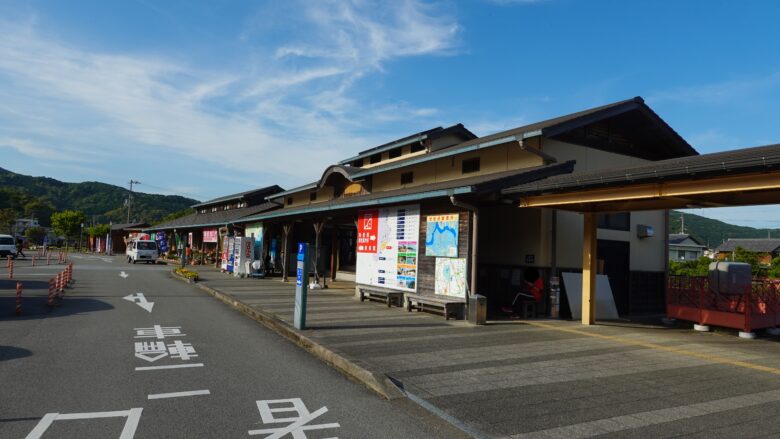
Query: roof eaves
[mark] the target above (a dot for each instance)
(325, 207)
(293, 190)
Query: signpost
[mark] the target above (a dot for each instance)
(301, 286)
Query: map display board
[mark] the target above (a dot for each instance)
(441, 235)
(388, 247)
(451, 277)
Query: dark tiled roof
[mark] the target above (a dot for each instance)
(433, 133)
(264, 191)
(219, 218)
(550, 127)
(753, 245)
(735, 162)
(678, 238)
(129, 226)
(477, 184)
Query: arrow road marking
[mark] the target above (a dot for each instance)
(140, 300)
(123, 275)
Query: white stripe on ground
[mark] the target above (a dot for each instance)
(653, 417)
(178, 394)
(173, 366)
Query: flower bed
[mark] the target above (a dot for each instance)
(189, 275)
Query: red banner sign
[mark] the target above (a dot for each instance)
(368, 225)
(210, 235)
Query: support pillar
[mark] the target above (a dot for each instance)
(286, 230)
(589, 263)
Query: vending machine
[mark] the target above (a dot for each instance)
(224, 255)
(244, 256)
(231, 253)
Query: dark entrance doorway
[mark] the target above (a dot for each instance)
(616, 259)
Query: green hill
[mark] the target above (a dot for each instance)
(24, 194)
(713, 232)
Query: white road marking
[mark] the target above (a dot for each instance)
(140, 300)
(178, 394)
(133, 417)
(123, 275)
(173, 366)
(298, 423)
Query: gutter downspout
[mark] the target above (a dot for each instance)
(473, 247)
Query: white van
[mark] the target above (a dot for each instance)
(7, 246)
(141, 250)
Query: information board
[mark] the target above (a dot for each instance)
(441, 235)
(389, 247)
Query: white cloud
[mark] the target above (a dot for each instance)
(300, 102)
(718, 92)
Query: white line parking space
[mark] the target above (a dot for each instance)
(133, 417)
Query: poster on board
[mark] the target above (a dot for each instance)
(451, 277)
(388, 247)
(441, 235)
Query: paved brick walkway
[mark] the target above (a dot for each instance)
(546, 378)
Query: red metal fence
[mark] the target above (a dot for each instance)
(690, 298)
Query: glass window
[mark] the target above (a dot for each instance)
(6, 241)
(615, 221)
(395, 152)
(417, 147)
(312, 196)
(147, 245)
(681, 254)
(376, 158)
(470, 165)
(407, 177)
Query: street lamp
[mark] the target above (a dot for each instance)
(81, 232)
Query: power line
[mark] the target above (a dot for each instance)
(129, 200)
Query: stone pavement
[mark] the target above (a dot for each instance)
(543, 378)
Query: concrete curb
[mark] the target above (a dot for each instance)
(377, 382)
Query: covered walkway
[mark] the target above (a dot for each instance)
(734, 178)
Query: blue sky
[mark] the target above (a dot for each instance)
(215, 97)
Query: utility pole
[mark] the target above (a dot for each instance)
(682, 223)
(129, 200)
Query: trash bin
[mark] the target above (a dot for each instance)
(477, 309)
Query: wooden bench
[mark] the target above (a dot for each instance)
(435, 303)
(381, 294)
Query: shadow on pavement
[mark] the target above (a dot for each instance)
(12, 353)
(34, 307)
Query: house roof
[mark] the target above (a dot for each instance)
(753, 245)
(477, 184)
(735, 162)
(432, 134)
(679, 238)
(652, 126)
(260, 192)
(129, 226)
(210, 219)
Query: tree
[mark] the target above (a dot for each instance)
(67, 223)
(7, 220)
(752, 258)
(98, 230)
(35, 234)
(696, 267)
(40, 209)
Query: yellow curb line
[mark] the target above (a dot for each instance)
(711, 358)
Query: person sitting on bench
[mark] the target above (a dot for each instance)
(532, 292)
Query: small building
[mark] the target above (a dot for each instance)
(766, 248)
(684, 247)
(214, 219)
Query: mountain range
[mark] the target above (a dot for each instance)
(104, 201)
(711, 232)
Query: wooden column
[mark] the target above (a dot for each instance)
(334, 242)
(318, 226)
(589, 262)
(286, 230)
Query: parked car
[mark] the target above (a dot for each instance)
(142, 250)
(7, 246)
